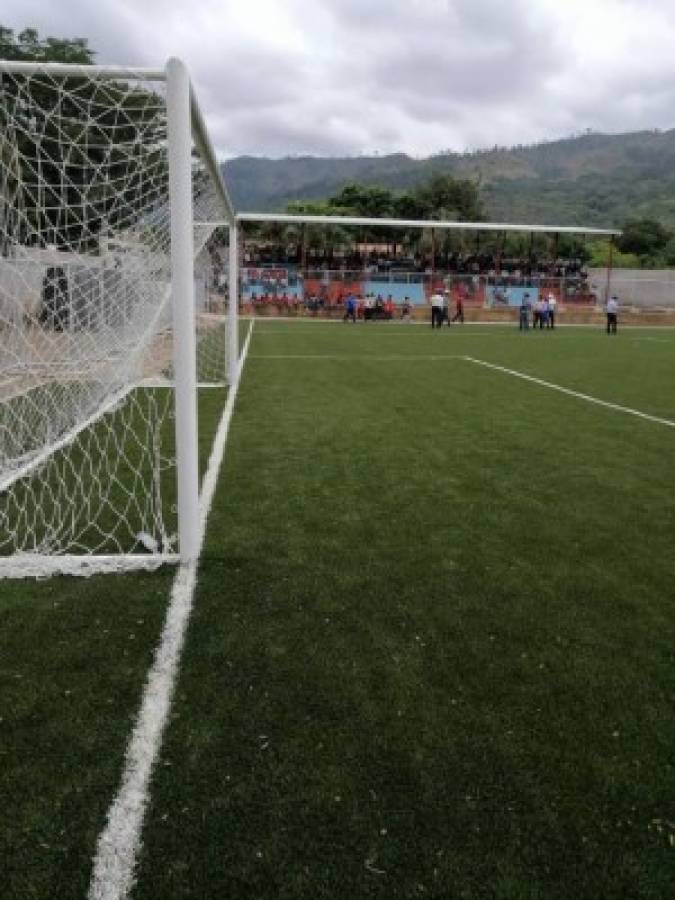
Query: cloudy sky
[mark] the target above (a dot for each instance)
(345, 77)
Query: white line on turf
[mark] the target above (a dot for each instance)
(347, 357)
(563, 390)
(276, 332)
(654, 339)
(117, 847)
(290, 323)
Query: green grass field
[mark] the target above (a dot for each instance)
(432, 652)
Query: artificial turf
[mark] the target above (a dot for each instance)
(74, 654)
(431, 653)
(432, 647)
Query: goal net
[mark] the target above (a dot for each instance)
(90, 354)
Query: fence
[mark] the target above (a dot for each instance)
(648, 289)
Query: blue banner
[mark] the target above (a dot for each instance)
(505, 295)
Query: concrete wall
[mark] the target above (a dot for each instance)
(643, 288)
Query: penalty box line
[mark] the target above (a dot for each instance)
(588, 398)
(113, 871)
(351, 357)
(627, 410)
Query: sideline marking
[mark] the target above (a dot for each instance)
(346, 357)
(480, 362)
(395, 332)
(509, 324)
(113, 873)
(654, 339)
(563, 390)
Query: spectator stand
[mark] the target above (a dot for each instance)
(390, 272)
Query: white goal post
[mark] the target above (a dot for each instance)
(119, 298)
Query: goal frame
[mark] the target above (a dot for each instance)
(185, 130)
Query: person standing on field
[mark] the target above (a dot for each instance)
(350, 309)
(524, 317)
(437, 307)
(446, 307)
(552, 304)
(612, 314)
(459, 310)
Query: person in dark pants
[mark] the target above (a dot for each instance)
(437, 310)
(612, 314)
(524, 313)
(350, 309)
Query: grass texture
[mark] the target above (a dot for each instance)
(431, 653)
(432, 648)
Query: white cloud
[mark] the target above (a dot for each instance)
(280, 77)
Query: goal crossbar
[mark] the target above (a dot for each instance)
(310, 219)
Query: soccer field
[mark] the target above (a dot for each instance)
(432, 649)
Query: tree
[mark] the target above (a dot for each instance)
(445, 197)
(600, 253)
(646, 238)
(27, 46)
(67, 178)
(669, 252)
(441, 197)
(369, 201)
(322, 237)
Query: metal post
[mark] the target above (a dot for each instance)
(183, 304)
(610, 260)
(500, 254)
(303, 250)
(233, 310)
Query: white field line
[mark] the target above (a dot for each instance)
(654, 339)
(349, 357)
(563, 390)
(487, 329)
(480, 362)
(292, 322)
(395, 332)
(117, 847)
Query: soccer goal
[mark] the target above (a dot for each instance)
(118, 310)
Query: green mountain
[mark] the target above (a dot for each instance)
(591, 179)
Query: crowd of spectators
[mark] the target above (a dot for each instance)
(273, 298)
(368, 306)
(274, 279)
(384, 261)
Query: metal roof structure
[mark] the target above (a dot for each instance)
(291, 218)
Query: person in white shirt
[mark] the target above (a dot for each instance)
(612, 314)
(536, 309)
(437, 304)
(552, 303)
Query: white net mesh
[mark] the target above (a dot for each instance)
(87, 460)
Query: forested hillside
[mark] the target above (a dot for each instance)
(594, 179)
